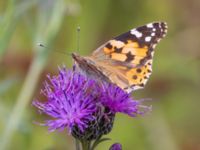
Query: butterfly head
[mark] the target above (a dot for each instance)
(76, 57)
(80, 60)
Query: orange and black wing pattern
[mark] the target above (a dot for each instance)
(133, 51)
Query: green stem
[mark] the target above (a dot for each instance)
(77, 143)
(95, 143)
(85, 145)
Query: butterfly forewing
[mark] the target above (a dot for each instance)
(127, 59)
(135, 46)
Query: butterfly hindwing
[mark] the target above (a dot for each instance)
(138, 77)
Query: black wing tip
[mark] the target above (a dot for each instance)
(163, 26)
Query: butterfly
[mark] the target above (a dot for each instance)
(125, 60)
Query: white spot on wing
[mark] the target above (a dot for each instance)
(152, 53)
(150, 25)
(153, 34)
(118, 44)
(137, 87)
(148, 38)
(129, 90)
(136, 33)
(153, 46)
(158, 40)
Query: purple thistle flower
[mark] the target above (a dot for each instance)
(116, 146)
(86, 107)
(68, 103)
(118, 100)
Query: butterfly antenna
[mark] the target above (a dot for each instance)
(42, 45)
(78, 38)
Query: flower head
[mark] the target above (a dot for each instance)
(68, 102)
(116, 146)
(86, 107)
(118, 100)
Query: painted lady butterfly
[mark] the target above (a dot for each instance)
(125, 60)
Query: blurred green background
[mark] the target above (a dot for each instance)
(174, 123)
